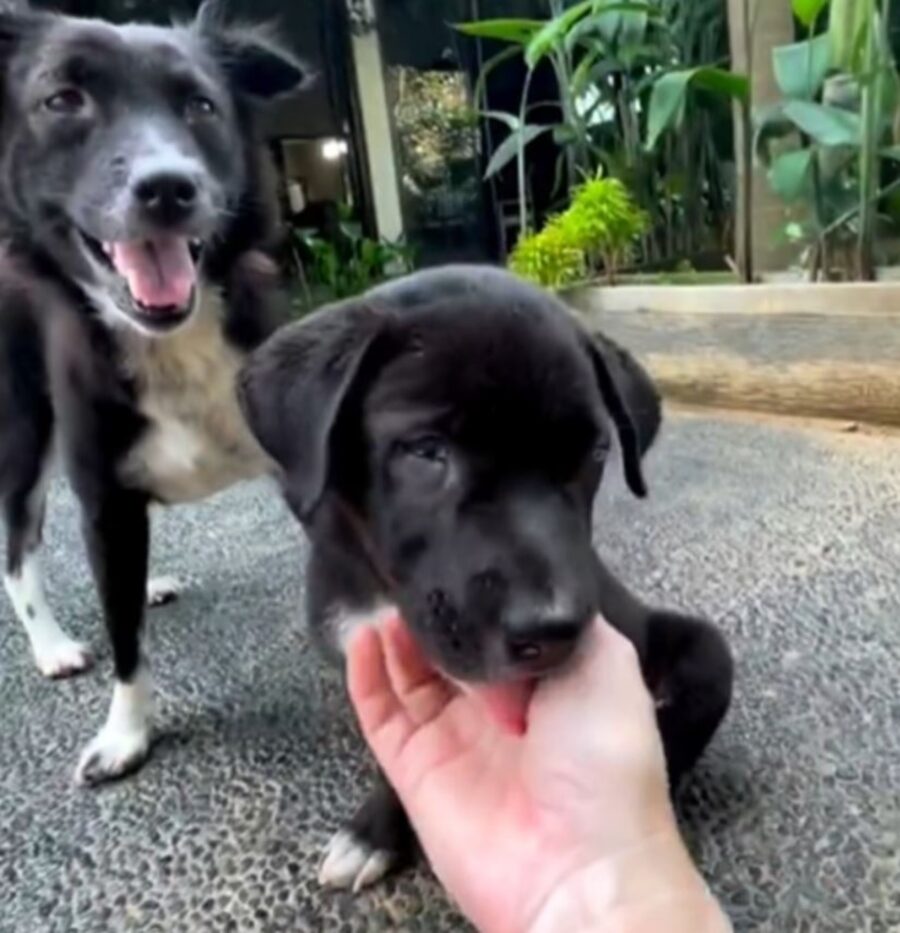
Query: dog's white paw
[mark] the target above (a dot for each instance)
(111, 754)
(351, 863)
(163, 590)
(62, 657)
(124, 741)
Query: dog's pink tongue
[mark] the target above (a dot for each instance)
(506, 703)
(160, 272)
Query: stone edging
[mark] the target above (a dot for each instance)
(817, 351)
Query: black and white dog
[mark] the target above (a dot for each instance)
(133, 202)
(442, 439)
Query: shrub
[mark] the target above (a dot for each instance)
(548, 258)
(604, 222)
(598, 229)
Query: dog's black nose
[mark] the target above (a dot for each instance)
(543, 644)
(167, 197)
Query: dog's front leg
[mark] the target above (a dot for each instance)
(690, 670)
(377, 840)
(117, 533)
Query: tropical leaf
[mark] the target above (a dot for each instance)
(510, 119)
(790, 173)
(829, 126)
(554, 33)
(808, 11)
(668, 98)
(519, 31)
(847, 24)
(801, 67)
(632, 27)
(517, 140)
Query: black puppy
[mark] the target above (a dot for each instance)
(442, 439)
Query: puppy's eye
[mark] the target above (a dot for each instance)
(600, 451)
(199, 107)
(421, 465)
(69, 100)
(432, 449)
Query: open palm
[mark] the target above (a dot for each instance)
(505, 818)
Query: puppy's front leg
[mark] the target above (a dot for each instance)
(117, 533)
(378, 839)
(690, 670)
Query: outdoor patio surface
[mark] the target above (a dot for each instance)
(788, 535)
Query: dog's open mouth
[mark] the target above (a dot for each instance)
(160, 273)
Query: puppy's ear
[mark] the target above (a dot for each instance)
(252, 57)
(638, 391)
(633, 404)
(292, 389)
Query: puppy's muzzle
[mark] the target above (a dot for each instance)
(536, 643)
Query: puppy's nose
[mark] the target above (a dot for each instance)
(542, 644)
(166, 197)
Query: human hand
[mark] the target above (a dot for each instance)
(565, 826)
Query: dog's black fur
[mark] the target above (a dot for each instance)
(442, 439)
(115, 138)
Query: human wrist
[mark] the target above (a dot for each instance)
(635, 891)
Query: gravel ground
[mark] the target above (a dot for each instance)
(788, 535)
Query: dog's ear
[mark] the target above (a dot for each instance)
(292, 388)
(14, 15)
(251, 55)
(17, 21)
(632, 401)
(638, 391)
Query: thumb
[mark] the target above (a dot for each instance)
(605, 677)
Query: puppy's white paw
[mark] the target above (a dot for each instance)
(111, 754)
(163, 590)
(351, 863)
(62, 657)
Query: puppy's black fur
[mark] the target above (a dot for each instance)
(134, 202)
(442, 439)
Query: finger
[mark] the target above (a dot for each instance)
(612, 665)
(385, 723)
(419, 688)
(368, 682)
(606, 675)
(608, 650)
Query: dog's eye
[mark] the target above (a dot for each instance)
(432, 449)
(600, 451)
(68, 100)
(421, 465)
(198, 107)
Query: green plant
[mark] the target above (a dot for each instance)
(604, 222)
(576, 42)
(671, 92)
(608, 58)
(598, 229)
(349, 262)
(839, 97)
(548, 258)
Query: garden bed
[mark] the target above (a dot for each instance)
(829, 350)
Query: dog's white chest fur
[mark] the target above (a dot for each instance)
(197, 442)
